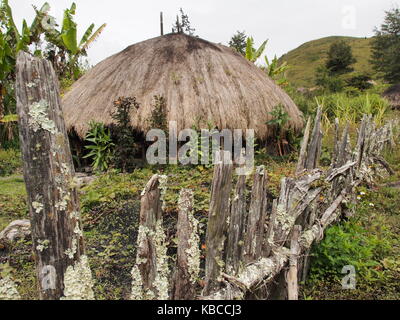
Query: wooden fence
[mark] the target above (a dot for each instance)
(254, 250)
(251, 247)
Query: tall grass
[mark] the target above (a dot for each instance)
(351, 109)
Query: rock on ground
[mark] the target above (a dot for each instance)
(16, 230)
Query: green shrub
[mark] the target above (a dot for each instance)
(348, 244)
(123, 134)
(360, 81)
(100, 147)
(10, 161)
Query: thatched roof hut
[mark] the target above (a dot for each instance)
(393, 95)
(202, 82)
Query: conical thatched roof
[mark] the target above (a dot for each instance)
(202, 82)
(393, 95)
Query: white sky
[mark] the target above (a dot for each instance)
(286, 23)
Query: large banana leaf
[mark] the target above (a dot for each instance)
(6, 57)
(9, 16)
(69, 32)
(36, 26)
(24, 41)
(86, 35)
(249, 49)
(260, 50)
(85, 45)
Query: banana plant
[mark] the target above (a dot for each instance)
(276, 71)
(252, 54)
(66, 39)
(29, 34)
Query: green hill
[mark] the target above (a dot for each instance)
(305, 59)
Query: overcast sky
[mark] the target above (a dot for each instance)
(286, 23)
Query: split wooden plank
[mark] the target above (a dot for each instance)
(303, 149)
(255, 231)
(315, 143)
(235, 240)
(292, 281)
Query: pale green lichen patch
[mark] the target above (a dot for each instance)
(78, 282)
(308, 237)
(78, 230)
(37, 206)
(71, 251)
(285, 221)
(193, 252)
(163, 188)
(75, 215)
(161, 281)
(8, 289)
(39, 117)
(137, 288)
(42, 245)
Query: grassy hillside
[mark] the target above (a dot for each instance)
(306, 58)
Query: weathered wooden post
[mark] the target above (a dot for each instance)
(303, 149)
(255, 232)
(150, 273)
(188, 256)
(292, 282)
(314, 148)
(235, 243)
(217, 220)
(61, 266)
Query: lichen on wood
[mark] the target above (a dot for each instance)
(78, 283)
(8, 289)
(48, 173)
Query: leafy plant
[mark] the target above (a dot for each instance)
(340, 58)
(352, 109)
(10, 161)
(65, 42)
(327, 81)
(360, 81)
(100, 147)
(252, 54)
(158, 116)
(358, 242)
(122, 133)
(276, 70)
(279, 120)
(238, 42)
(386, 47)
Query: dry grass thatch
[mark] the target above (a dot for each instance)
(202, 82)
(393, 95)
